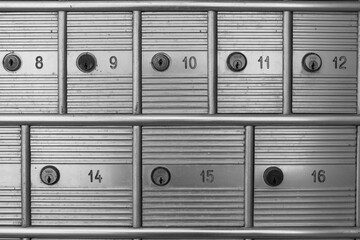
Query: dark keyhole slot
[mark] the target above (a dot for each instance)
(49, 179)
(160, 62)
(273, 176)
(11, 62)
(160, 176)
(86, 62)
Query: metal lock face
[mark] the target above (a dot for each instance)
(86, 62)
(160, 176)
(49, 175)
(160, 62)
(273, 176)
(311, 62)
(11, 62)
(236, 61)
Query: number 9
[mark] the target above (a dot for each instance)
(113, 62)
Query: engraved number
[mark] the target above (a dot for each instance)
(319, 176)
(113, 62)
(342, 60)
(97, 176)
(267, 61)
(39, 62)
(191, 62)
(207, 176)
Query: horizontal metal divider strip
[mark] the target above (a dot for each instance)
(179, 120)
(106, 232)
(187, 5)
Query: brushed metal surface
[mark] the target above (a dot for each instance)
(90, 145)
(255, 89)
(189, 199)
(29, 90)
(302, 199)
(331, 35)
(79, 199)
(193, 145)
(10, 181)
(177, 90)
(106, 90)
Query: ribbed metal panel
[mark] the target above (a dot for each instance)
(193, 207)
(99, 94)
(188, 200)
(30, 35)
(193, 145)
(30, 31)
(254, 90)
(10, 150)
(301, 200)
(249, 94)
(324, 94)
(106, 90)
(10, 205)
(10, 191)
(250, 31)
(99, 31)
(28, 94)
(101, 145)
(178, 90)
(325, 31)
(305, 145)
(108, 207)
(329, 35)
(276, 207)
(175, 95)
(166, 31)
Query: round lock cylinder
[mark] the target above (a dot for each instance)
(160, 62)
(311, 62)
(49, 175)
(86, 62)
(12, 62)
(236, 61)
(273, 176)
(160, 176)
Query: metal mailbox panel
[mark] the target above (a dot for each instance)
(108, 37)
(259, 87)
(33, 38)
(206, 186)
(95, 185)
(183, 87)
(333, 36)
(10, 180)
(319, 168)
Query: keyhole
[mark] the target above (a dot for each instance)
(274, 181)
(313, 65)
(160, 62)
(85, 66)
(11, 62)
(237, 65)
(161, 180)
(49, 179)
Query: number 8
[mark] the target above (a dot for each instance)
(39, 62)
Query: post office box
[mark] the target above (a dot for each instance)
(305, 176)
(174, 62)
(329, 85)
(28, 52)
(81, 176)
(257, 86)
(10, 181)
(193, 176)
(99, 48)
